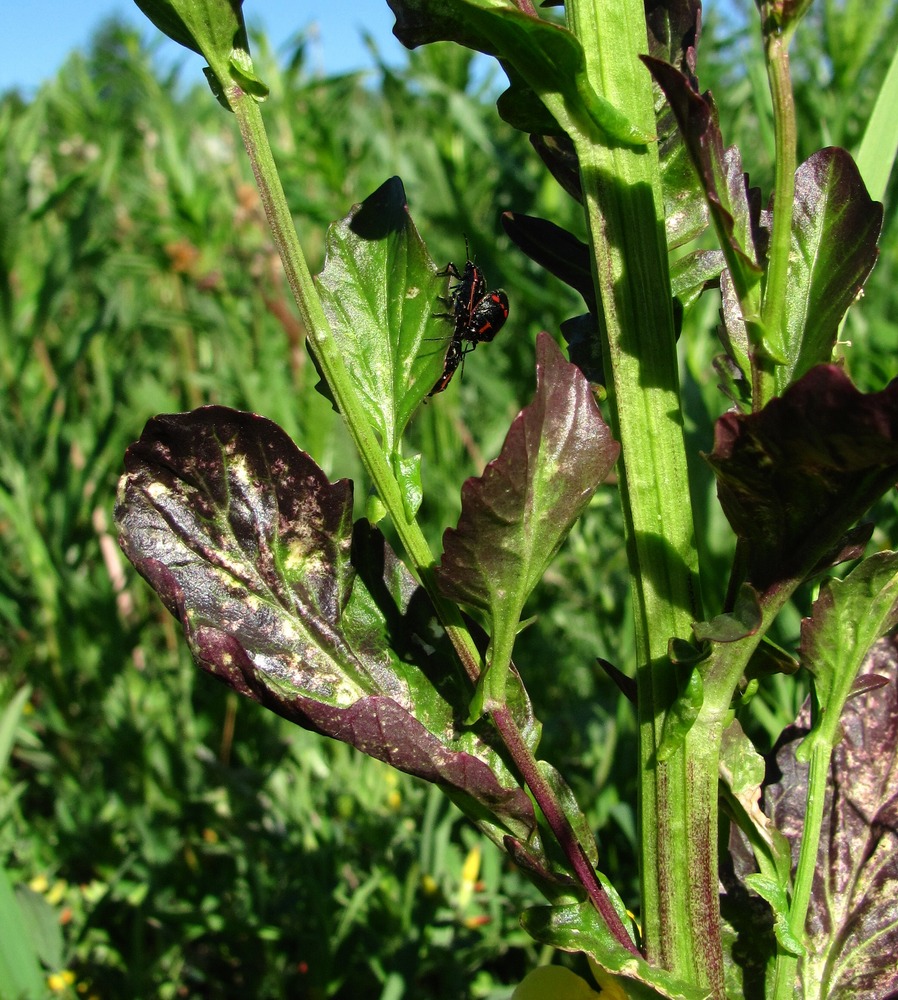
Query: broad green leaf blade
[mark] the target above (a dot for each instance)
(835, 227)
(216, 30)
(852, 927)
(20, 971)
(251, 548)
(381, 293)
(794, 477)
(579, 928)
(516, 515)
(548, 57)
(846, 620)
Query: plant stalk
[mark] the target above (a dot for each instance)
(625, 215)
(786, 138)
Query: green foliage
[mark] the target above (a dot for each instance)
(197, 848)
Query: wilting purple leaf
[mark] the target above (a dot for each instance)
(252, 549)
(516, 515)
(852, 928)
(794, 477)
(835, 226)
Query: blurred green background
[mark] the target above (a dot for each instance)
(162, 838)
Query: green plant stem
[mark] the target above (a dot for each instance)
(625, 215)
(803, 882)
(786, 137)
(331, 363)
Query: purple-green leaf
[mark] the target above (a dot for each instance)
(516, 515)
(794, 477)
(835, 226)
(252, 549)
(846, 620)
(852, 927)
(719, 171)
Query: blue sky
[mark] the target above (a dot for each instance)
(40, 33)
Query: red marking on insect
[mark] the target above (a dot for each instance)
(478, 315)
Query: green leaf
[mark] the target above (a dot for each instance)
(216, 30)
(876, 156)
(794, 477)
(516, 515)
(579, 928)
(694, 272)
(681, 715)
(20, 971)
(546, 56)
(381, 292)
(43, 926)
(252, 549)
(846, 620)
(776, 894)
(744, 620)
(742, 772)
(835, 226)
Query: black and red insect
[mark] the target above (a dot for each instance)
(478, 315)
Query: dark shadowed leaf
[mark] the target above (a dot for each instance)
(516, 515)
(835, 226)
(793, 478)
(560, 158)
(545, 56)
(579, 928)
(252, 549)
(554, 249)
(852, 929)
(846, 620)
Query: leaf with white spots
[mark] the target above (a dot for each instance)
(253, 550)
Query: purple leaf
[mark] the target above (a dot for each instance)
(852, 929)
(794, 477)
(516, 515)
(252, 549)
(835, 226)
